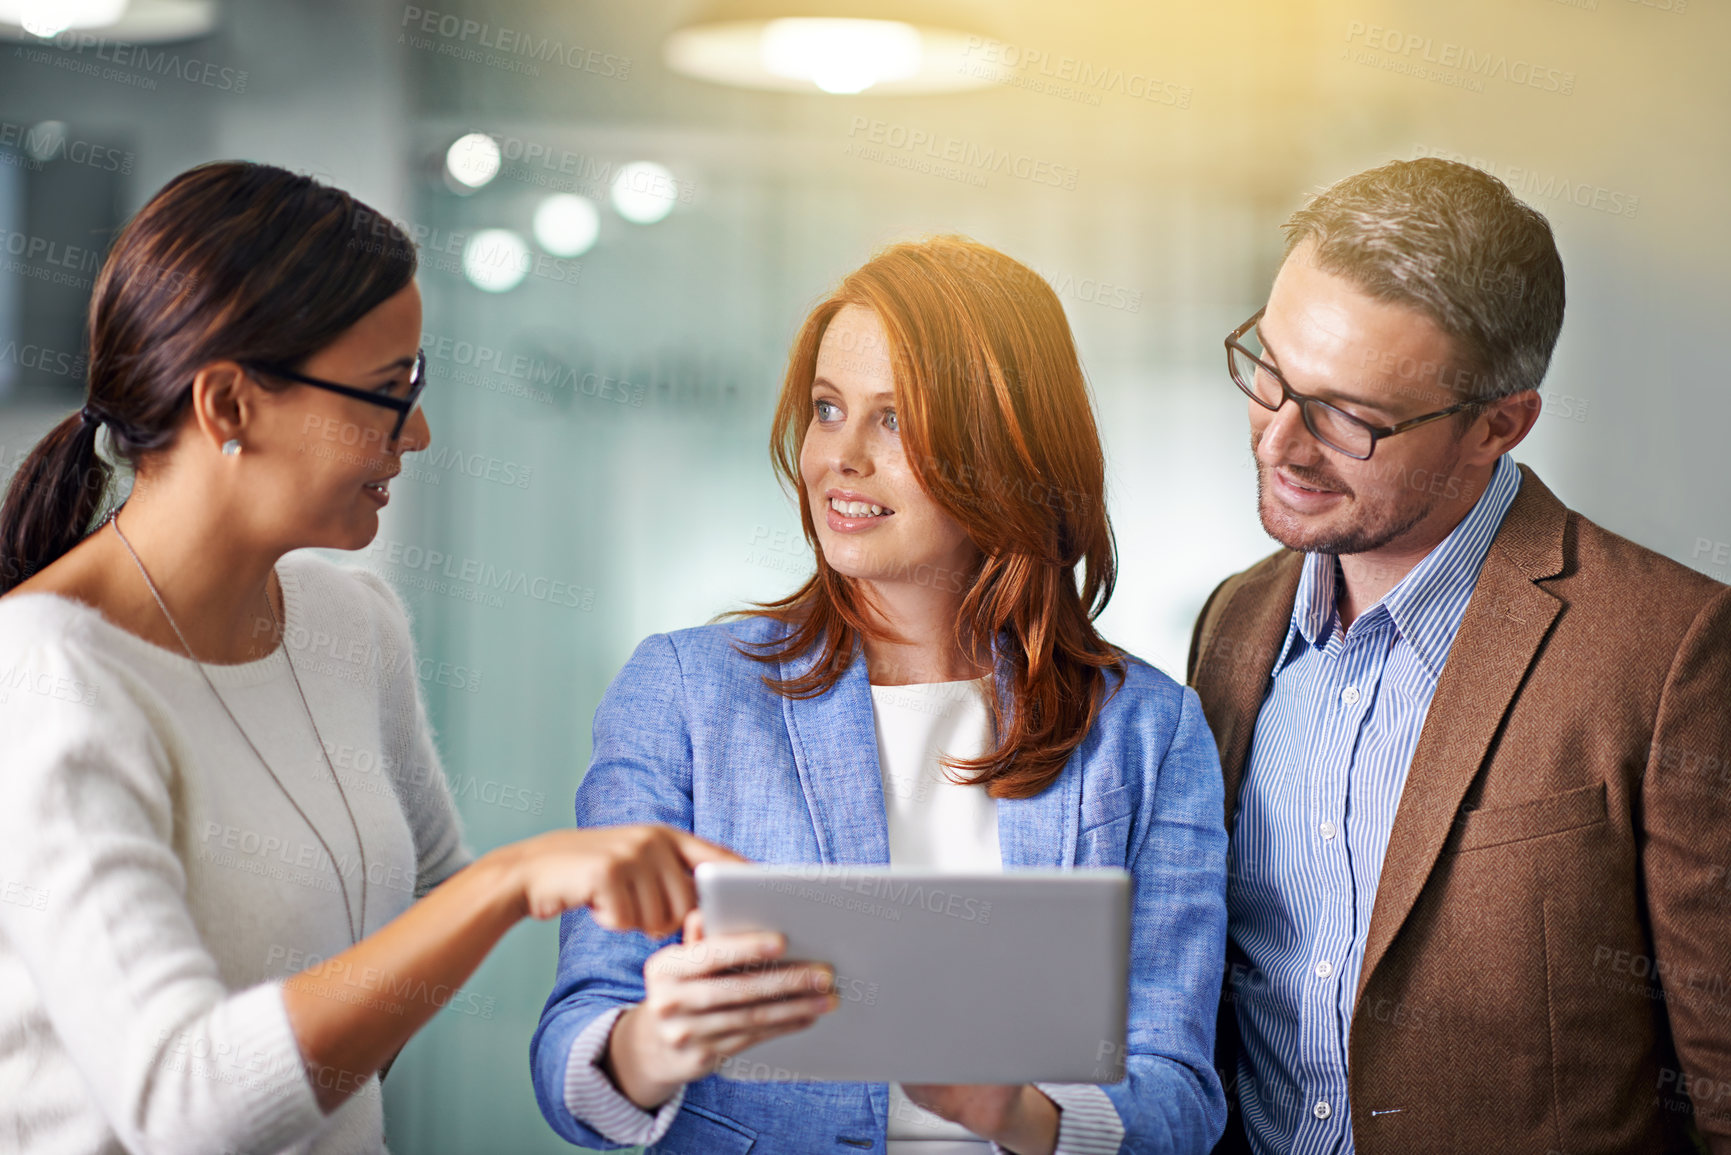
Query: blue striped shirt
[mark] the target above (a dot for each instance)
(1329, 758)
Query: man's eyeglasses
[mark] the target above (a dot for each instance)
(398, 396)
(1335, 428)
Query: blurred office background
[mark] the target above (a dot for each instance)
(602, 384)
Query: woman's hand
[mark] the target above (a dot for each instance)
(1018, 1117)
(632, 877)
(706, 999)
(349, 1023)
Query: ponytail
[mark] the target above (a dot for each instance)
(229, 260)
(52, 499)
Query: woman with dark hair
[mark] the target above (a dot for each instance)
(935, 696)
(215, 937)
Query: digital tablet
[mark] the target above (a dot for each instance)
(1013, 977)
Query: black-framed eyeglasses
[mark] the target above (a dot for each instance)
(400, 397)
(1335, 428)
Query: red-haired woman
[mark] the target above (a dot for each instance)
(934, 696)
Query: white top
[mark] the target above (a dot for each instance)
(156, 886)
(936, 824)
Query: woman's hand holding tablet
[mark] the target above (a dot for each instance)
(706, 999)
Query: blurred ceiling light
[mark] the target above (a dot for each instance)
(840, 56)
(644, 192)
(834, 46)
(140, 21)
(49, 18)
(566, 225)
(496, 260)
(473, 160)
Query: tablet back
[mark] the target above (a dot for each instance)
(1011, 977)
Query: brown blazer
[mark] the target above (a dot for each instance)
(1548, 966)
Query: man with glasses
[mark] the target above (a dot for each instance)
(1477, 749)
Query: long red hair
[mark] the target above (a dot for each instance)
(998, 427)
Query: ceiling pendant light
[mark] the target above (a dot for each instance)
(49, 18)
(831, 46)
(134, 21)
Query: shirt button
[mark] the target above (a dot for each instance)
(1321, 1110)
(1324, 969)
(1326, 829)
(1349, 695)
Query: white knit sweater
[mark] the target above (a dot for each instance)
(156, 886)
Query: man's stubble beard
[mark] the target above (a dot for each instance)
(1376, 528)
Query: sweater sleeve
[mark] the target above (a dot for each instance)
(411, 747)
(175, 1061)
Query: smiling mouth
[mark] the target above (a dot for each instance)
(380, 486)
(1306, 488)
(858, 508)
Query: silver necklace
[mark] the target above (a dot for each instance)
(348, 910)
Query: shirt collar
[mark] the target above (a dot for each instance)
(1427, 604)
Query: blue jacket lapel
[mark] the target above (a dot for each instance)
(1041, 831)
(835, 748)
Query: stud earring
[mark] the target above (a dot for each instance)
(231, 447)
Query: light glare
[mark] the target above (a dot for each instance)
(49, 18)
(566, 225)
(841, 56)
(496, 260)
(644, 192)
(473, 160)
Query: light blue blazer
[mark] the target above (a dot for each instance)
(688, 735)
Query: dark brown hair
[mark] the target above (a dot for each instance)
(230, 260)
(997, 426)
